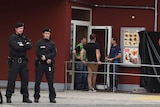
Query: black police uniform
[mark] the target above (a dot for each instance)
(45, 47)
(17, 60)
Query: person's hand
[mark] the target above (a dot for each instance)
(99, 62)
(78, 57)
(106, 58)
(27, 43)
(111, 59)
(43, 58)
(84, 62)
(49, 61)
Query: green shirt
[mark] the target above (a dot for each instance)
(78, 49)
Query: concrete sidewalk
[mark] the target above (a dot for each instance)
(84, 98)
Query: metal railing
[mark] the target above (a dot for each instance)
(104, 72)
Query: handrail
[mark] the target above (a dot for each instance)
(108, 63)
(122, 64)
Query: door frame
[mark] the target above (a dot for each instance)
(75, 23)
(78, 23)
(108, 29)
(88, 24)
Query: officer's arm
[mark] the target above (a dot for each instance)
(52, 53)
(28, 43)
(38, 51)
(14, 43)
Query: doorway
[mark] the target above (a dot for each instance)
(81, 26)
(78, 29)
(103, 38)
(104, 35)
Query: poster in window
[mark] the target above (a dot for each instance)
(130, 55)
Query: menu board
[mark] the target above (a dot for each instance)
(131, 39)
(130, 45)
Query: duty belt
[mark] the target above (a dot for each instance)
(18, 59)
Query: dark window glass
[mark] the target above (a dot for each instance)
(78, 14)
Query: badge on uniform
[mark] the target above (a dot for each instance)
(42, 47)
(20, 44)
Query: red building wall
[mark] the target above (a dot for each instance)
(36, 15)
(56, 14)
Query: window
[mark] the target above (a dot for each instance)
(81, 14)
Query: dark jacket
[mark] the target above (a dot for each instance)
(46, 47)
(19, 44)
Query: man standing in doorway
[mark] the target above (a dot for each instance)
(92, 52)
(114, 57)
(81, 78)
(46, 52)
(17, 60)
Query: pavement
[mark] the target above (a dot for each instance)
(71, 98)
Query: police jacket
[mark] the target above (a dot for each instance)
(45, 47)
(19, 44)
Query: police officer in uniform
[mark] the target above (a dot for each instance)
(17, 60)
(45, 51)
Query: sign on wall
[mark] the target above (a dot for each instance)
(129, 45)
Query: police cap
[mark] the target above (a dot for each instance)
(19, 24)
(46, 30)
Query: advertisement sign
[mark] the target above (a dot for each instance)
(130, 55)
(130, 45)
(131, 39)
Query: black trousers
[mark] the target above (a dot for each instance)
(49, 71)
(14, 69)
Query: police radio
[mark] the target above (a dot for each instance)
(49, 69)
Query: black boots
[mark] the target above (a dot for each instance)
(36, 100)
(52, 100)
(26, 100)
(8, 100)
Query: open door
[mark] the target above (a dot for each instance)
(103, 35)
(78, 30)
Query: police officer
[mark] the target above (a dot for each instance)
(17, 60)
(45, 51)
